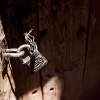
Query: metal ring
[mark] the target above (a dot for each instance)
(14, 55)
(23, 46)
(11, 50)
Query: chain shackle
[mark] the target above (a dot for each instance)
(23, 47)
(13, 55)
(15, 52)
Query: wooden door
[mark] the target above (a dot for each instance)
(64, 34)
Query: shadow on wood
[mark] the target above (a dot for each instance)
(66, 25)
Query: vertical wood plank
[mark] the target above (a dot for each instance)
(5, 88)
(19, 17)
(64, 26)
(92, 68)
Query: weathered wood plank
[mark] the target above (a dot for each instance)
(18, 17)
(92, 68)
(5, 88)
(65, 24)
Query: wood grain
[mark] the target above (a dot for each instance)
(5, 88)
(67, 33)
(92, 68)
(65, 24)
(19, 17)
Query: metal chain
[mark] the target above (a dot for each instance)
(15, 52)
(19, 52)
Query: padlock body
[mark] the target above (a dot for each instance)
(40, 61)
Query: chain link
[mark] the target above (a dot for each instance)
(15, 52)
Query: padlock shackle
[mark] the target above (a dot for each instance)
(13, 55)
(23, 47)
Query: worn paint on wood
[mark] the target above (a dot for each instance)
(5, 71)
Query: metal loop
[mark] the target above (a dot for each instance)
(24, 46)
(14, 55)
(11, 50)
(14, 52)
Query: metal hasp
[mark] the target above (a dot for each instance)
(36, 64)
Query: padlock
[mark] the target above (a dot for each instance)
(32, 58)
(39, 61)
